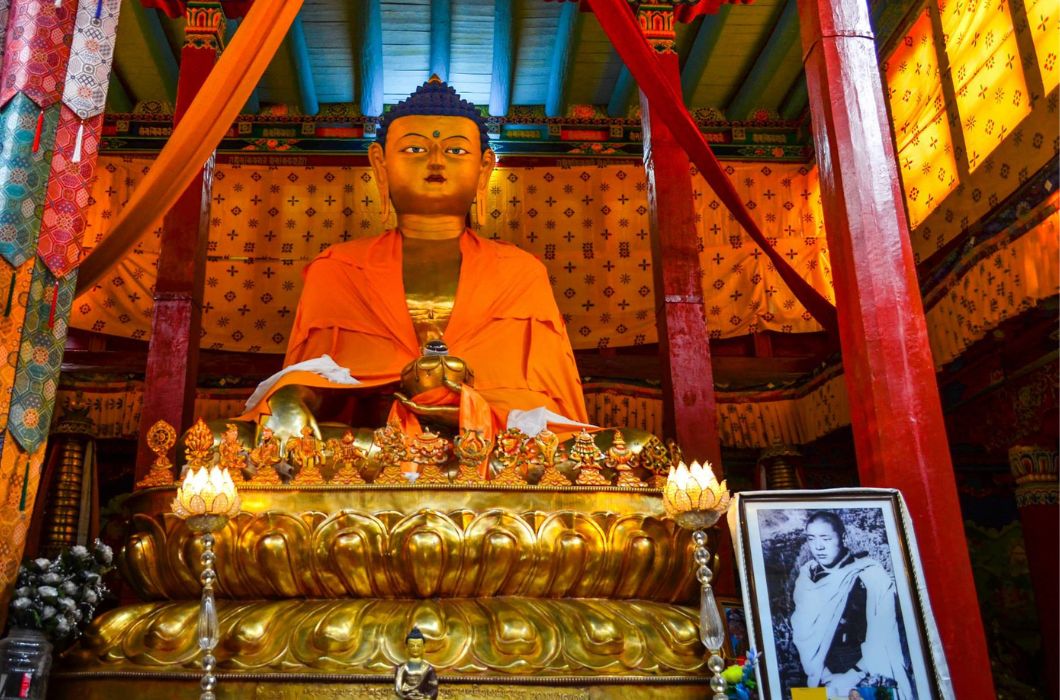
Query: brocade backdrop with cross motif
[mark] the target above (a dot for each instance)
(588, 224)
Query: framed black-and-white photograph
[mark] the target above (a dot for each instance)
(834, 595)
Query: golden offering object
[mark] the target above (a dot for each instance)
(585, 454)
(206, 498)
(509, 447)
(508, 475)
(656, 457)
(198, 446)
(393, 475)
(693, 497)
(553, 477)
(348, 459)
(431, 474)
(429, 448)
(622, 459)
(160, 438)
(428, 451)
(471, 449)
(548, 442)
(466, 476)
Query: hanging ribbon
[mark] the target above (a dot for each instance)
(10, 294)
(39, 130)
(622, 29)
(76, 158)
(99, 10)
(51, 311)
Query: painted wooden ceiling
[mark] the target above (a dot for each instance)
(744, 59)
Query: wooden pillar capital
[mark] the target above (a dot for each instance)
(656, 22)
(204, 26)
(1036, 472)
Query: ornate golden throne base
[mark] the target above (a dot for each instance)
(521, 593)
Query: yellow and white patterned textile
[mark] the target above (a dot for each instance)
(588, 224)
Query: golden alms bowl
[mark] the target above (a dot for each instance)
(433, 371)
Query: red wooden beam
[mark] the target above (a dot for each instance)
(173, 356)
(690, 413)
(896, 415)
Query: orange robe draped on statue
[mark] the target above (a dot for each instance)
(505, 324)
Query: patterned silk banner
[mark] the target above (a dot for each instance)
(5, 10)
(40, 356)
(14, 291)
(28, 135)
(91, 54)
(72, 170)
(37, 50)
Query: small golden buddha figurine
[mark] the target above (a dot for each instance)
(231, 454)
(622, 459)
(471, 449)
(265, 460)
(393, 453)
(586, 455)
(306, 454)
(347, 458)
(415, 679)
(429, 451)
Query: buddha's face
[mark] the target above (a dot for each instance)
(414, 648)
(432, 165)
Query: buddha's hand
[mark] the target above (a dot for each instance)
(432, 371)
(446, 415)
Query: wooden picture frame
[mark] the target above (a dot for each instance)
(834, 595)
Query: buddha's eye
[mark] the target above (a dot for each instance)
(457, 151)
(413, 149)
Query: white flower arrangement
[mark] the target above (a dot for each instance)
(59, 596)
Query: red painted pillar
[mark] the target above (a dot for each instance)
(173, 356)
(899, 435)
(689, 409)
(1036, 470)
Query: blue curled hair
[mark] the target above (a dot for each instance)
(434, 98)
(414, 633)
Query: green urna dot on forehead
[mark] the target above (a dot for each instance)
(437, 133)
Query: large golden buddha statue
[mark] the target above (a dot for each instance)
(546, 574)
(467, 326)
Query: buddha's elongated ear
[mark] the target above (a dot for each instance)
(377, 157)
(489, 162)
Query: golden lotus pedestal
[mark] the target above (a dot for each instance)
(521, 592)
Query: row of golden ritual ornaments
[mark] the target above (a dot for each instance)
(395, 458)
